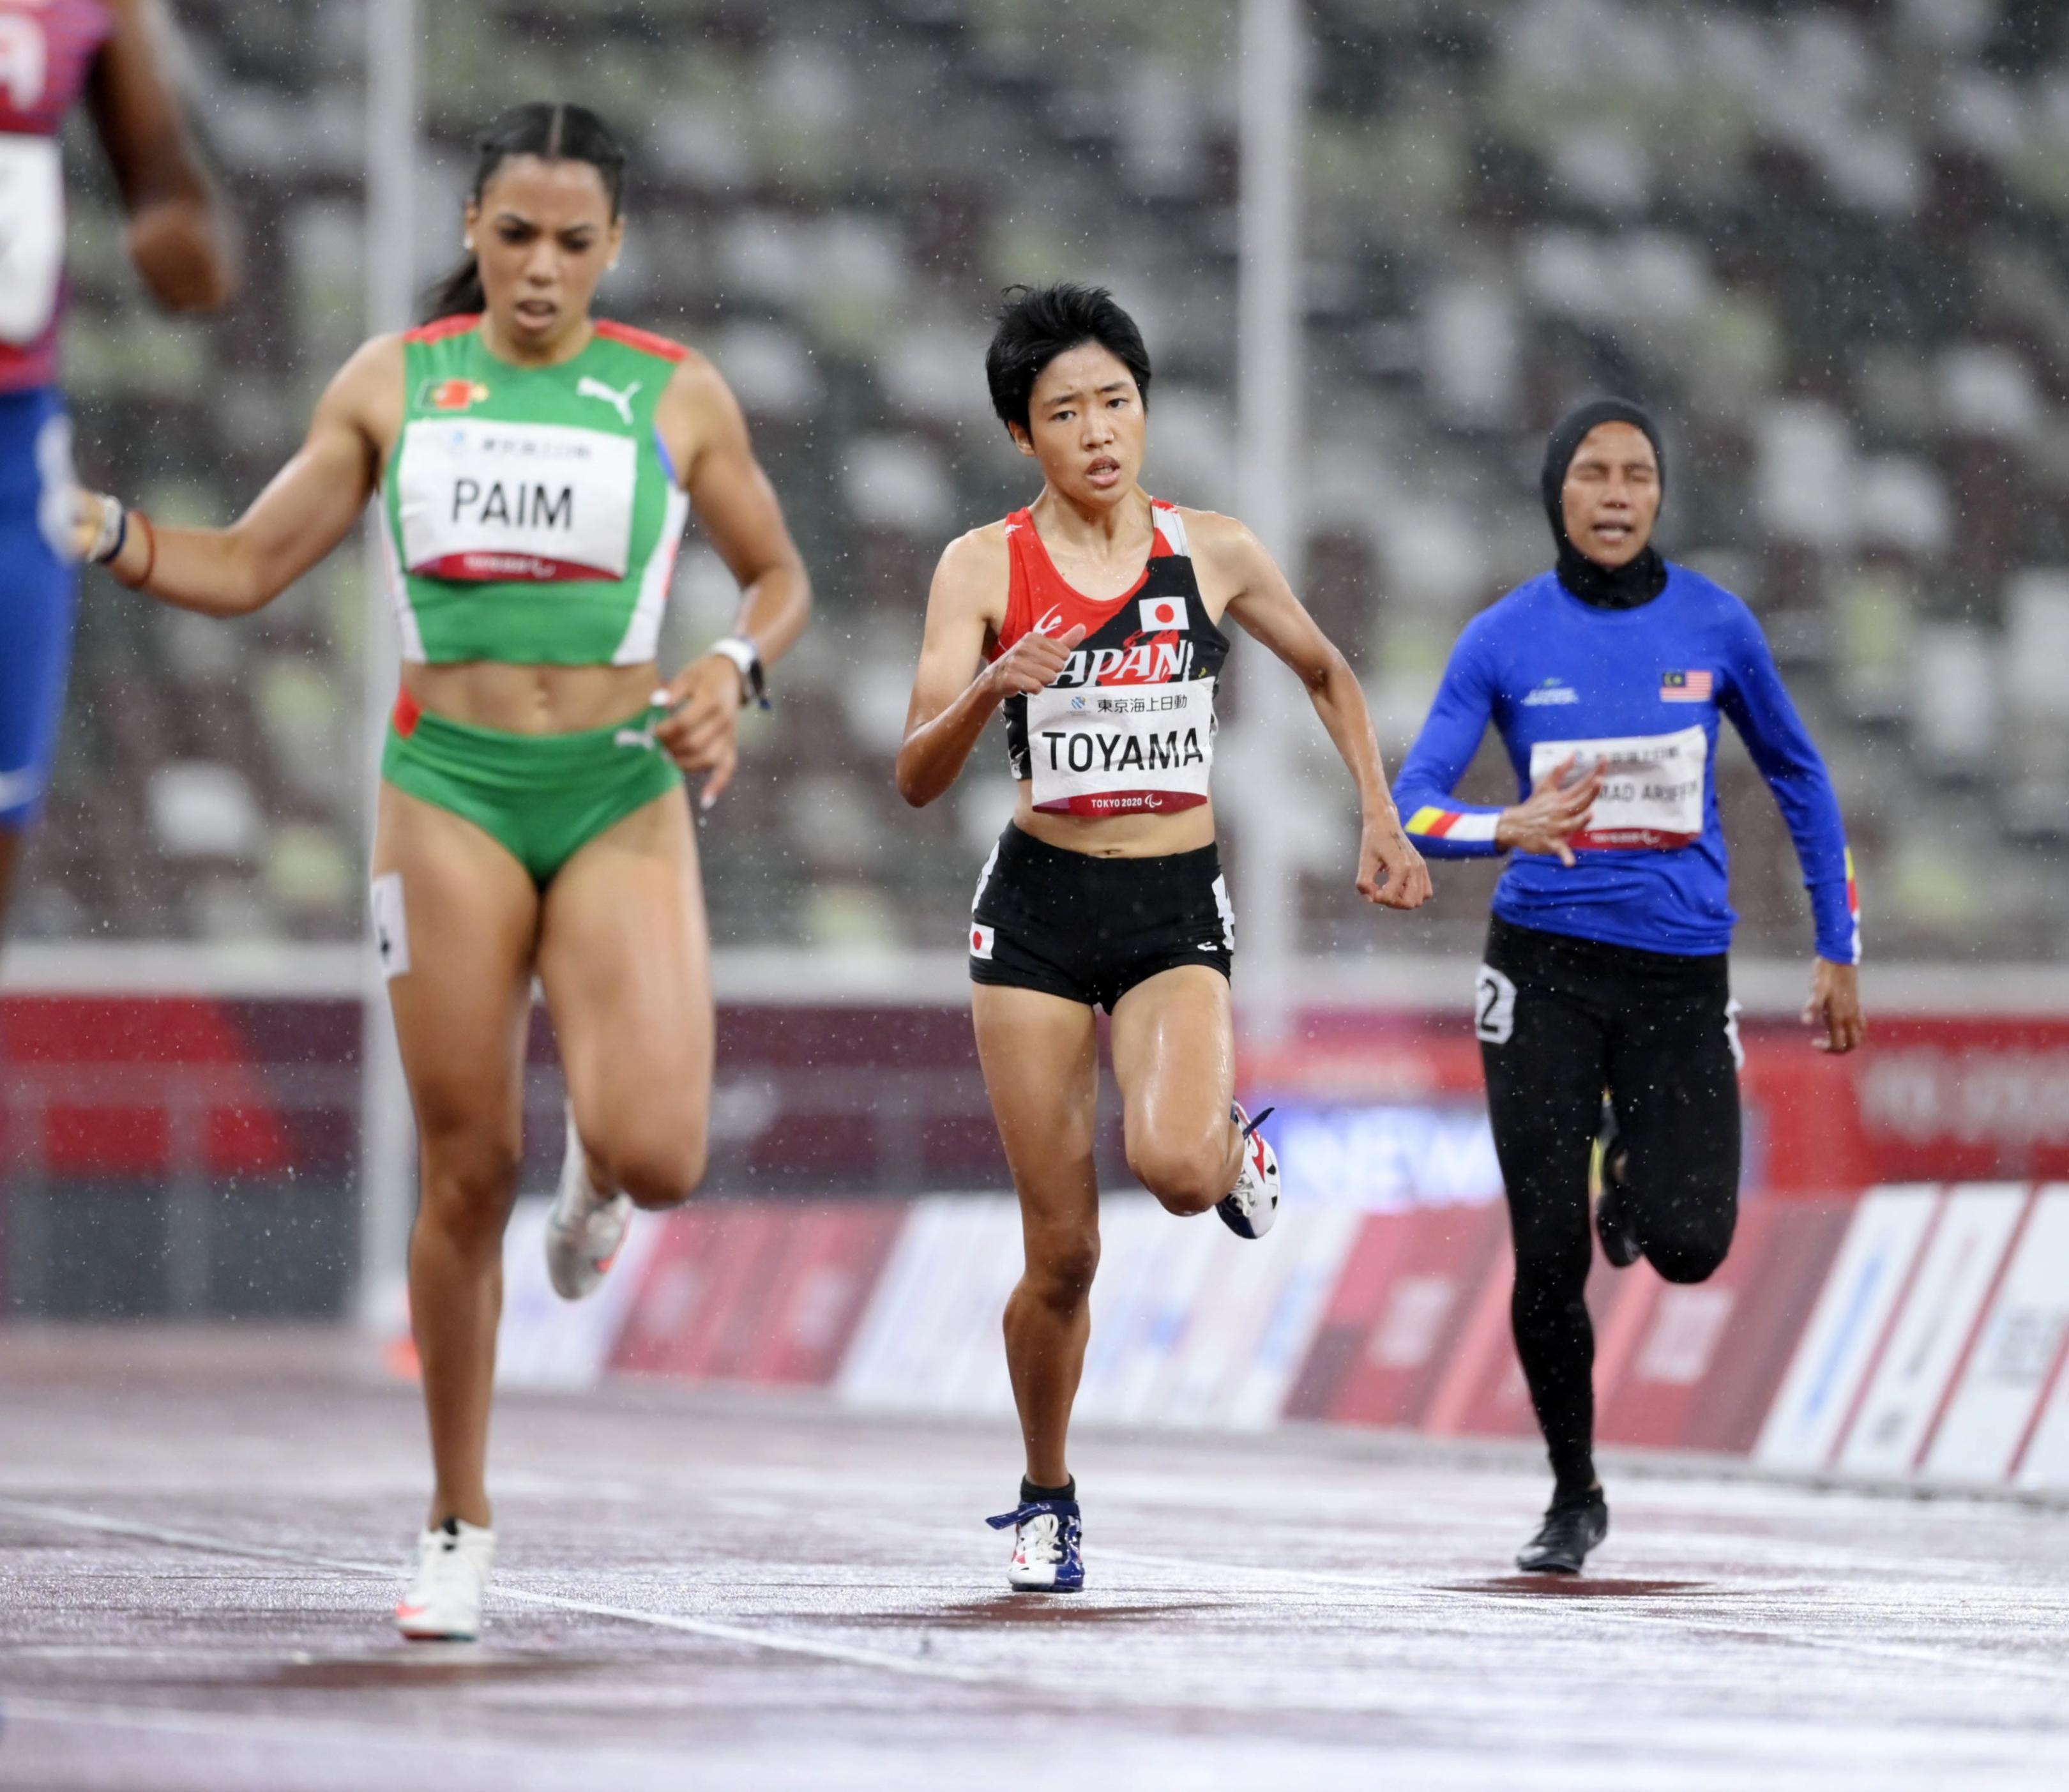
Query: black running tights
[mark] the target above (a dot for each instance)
(1562, 1020)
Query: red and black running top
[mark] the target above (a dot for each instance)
(1128, 728)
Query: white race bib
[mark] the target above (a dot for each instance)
(32, 236)
(1653, 787)
(482, 500)
(1118, 749)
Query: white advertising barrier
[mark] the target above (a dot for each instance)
(1949, 1292)
(1190, 1324)
(1937, 1348)
(547, 1342)
(1992, 1408)
(1861, 1293)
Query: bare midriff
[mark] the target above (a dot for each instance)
(532, 700)
(1118, 836)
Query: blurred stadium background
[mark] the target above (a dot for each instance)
(1829, 244)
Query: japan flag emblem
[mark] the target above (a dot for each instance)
(981, 938)
(1162, 613)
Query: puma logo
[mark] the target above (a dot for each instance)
(620, 401)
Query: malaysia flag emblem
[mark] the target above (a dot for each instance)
(1162, 613)
(1691, 686)
(981, 939)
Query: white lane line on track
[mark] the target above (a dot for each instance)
(1593, 1610)
(852, 1656)
(712, 1628)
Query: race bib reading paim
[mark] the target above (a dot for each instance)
(483, 501)
(1652, 787)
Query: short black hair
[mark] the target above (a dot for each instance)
(1038, 323)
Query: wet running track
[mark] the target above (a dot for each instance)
(201, 1533)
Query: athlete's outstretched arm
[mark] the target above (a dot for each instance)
(949, 708)
(179, 237)
(1759, 705)
(309, 507)
(1542, 821)
(701, 421)
(1391, 870)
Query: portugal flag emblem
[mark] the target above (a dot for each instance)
(454, 395)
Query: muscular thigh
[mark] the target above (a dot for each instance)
(1174, 1053)
(625, 957)
(457, 918)
(1040, 1054)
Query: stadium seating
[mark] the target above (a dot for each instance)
(1830, 245)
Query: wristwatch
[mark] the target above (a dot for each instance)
(746, 658)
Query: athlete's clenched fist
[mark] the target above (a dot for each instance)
(1391, 870)
(1032, 663)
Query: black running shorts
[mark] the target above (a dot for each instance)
(1090, 929)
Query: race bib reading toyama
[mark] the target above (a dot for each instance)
(32, 236)
(1652, 787)
(1117, 750)
(484, 501)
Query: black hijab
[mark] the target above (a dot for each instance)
(1607, 588)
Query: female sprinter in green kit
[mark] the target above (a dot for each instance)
(534, 466)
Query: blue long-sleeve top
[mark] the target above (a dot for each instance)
(1639, 692)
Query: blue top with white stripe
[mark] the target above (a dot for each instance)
(1639, 693)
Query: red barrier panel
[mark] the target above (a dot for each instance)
(1400, 1308)
(1711, 1356)
(1417, 1331)
(760, 1291)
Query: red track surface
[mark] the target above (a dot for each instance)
(198, 1533)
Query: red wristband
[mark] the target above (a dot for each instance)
(150, 553)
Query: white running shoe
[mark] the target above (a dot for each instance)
(442, 1602)
(1249, 1208)
(585, 1229)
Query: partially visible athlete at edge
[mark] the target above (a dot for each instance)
(53, 52)
(1606, 964)
(1093, 618)
(532, 820)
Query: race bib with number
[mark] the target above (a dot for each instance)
(485, 501)
(32, 236)
(1653, 787)
(1119, 749)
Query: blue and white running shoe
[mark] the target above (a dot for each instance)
(1249, 1208)
(1047, 1553)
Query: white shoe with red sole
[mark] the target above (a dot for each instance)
(442, 1602)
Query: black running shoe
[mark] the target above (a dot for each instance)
(1568, 1533)
(1616, 1217)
